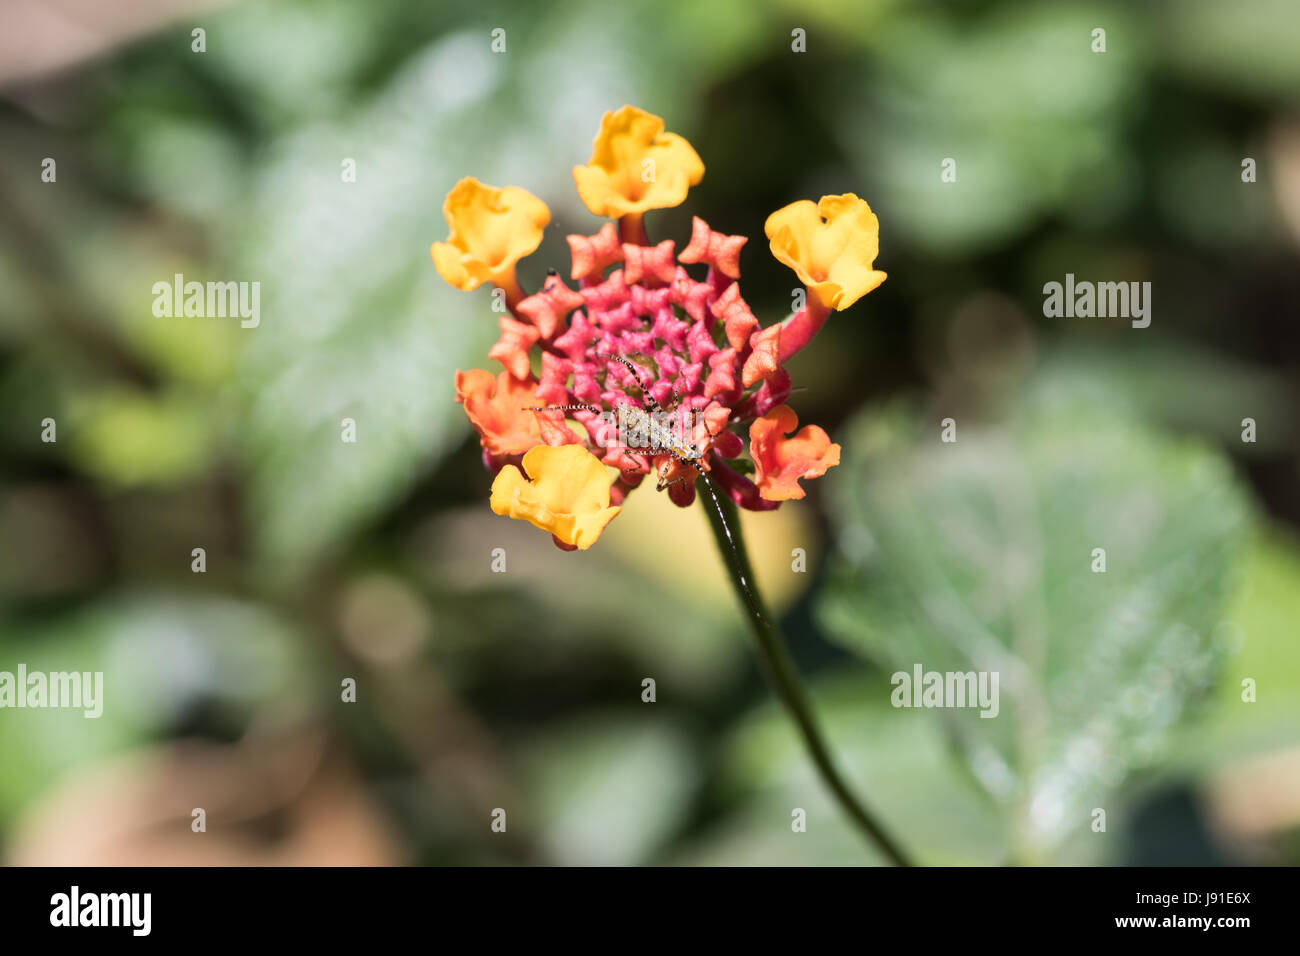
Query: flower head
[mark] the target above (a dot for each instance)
(491, 230)
(635, 166)
(831, 245)
(644, 366)
(566, 492)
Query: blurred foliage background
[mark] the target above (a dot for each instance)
(522, 690)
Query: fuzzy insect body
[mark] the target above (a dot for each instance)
(655, 431)
(648, 432)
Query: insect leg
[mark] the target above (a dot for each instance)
(636, 373)
(693, 464)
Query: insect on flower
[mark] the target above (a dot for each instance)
(664, 370)
(639, 320)
(652, 431)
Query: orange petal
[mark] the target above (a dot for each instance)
(737, 319)
(511, 350)
(549, 308)
(497, 408)
(765, 358)
(592, 255)
(780, 461)
(714, 249)
(649, 262)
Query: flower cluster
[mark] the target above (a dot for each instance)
(637, 330)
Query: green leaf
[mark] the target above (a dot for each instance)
(1259, 633)
(1144, 379)
(989, 91)
(355, 322)
(978, 556)
(129, 437)
(1224, 47)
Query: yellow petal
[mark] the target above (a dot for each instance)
(831, 245)
(635, 166)
(565, 492)
(491, 230)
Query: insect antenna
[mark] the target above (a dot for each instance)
(562, 408)
(636, 373)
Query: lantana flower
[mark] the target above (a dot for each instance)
(491, 230)
(646, 334)
(662, 369)
(782, 457)
(831, 245)
(565, 491)
(636, 166)
(497, 407)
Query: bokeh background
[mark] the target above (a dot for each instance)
(1121, 691)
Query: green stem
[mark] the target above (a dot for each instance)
(780, 669)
